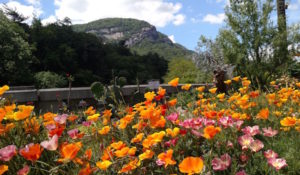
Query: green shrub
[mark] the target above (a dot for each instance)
(47, 79)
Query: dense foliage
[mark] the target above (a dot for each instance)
(196, 131)
(57, 48)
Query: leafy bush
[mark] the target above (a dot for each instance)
(46, 79)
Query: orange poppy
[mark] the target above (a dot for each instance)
(69, 151)
(149, 96)
(288, 121)
(148, 154)
(137, 138)
(191, 165)
(72, 118)
(173, 82)
(31, 152)
(153, 139)
(213, 90)
(104, 130)
(210, 131)
(228, 82)
(86, 170)
(263, 114)
(236, 78)
(24, 112)
(5, 128)
(107, 154)
(133, 164)
(166, 158)
(118, 145)
(90, 111)
(122, 152)
(172, 102)
(173, 132)
(3, 89)
(3, 169)
(2, 114)
(104, 164)
(186, 87)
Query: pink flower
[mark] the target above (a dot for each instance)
(256, 145)
(50, 127)
(242, 172)
(61, 119)
(160, 162)
(172, 142)
(87, 123)
(269, 154)
(277, 163)
(268, 132)
(196, 133)
(73, 133)
(238, 124)
(51, 144)
(226, 122)
(244, 157)
(172, 117)
(222, 163)
(8, 153)
(24, 171)
(229, 144)
(252, 131)
(207, 122)
(245, 141)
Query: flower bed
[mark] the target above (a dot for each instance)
(196, 131)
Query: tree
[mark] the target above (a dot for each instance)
(252, 42)
(15, 53)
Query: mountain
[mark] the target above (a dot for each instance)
(140, 36)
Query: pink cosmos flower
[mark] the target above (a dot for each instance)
(172, 142)
(24, 171)
(8, 153)
(61, 119)
(73, 133)
(226, 121)
(269, 132)
(242, 172)
(256, 145)
(222, 163)
(51, 144)
(172, 117)
(252, 131)
(277, 163)
(245, 141)
(269, 154)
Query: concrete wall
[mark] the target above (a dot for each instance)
(50, 99)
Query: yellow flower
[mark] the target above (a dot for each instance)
(104, 164)
(149, 96)
(3, 89)
(137, 138)
(93, 117)
(272, 83)
(104, 130)
(148, 154)
(228, 82)
(24, 112)
(200, 89)
(221, 96)
(213, 90)
(186, 87)
(236, 78)
(288, 121)
(246, 83)
(173, 133)
(173, 82)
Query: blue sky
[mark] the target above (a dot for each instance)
(182, 20)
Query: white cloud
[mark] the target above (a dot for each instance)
(214, 19)
(172, 38)
(156, 12)
(33, 2)
(50, 19)
(29, 11)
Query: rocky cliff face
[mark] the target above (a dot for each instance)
(138, 35)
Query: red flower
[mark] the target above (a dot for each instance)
(31, 152)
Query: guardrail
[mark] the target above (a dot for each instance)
(48, 99)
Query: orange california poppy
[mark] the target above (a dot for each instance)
(90, 111)
(153, 139)
(173, 132)
(72, 118)
(133, 164)
(69, 151)
(104, 164)
(191, 165)
(173, 82)
(86, 170)
(149, 96)
(236, 78)
(5, 128)
(3, 89)
(24, 112)
(148, 154)
(172, 102)
(213, 90)
(161, 92)
(137, 138)
(122, 152)
(166, 158)
(107, 154)
(210, 131)
(228, 82)
(118, 145)
(2, 114)
(3, 169)
(288, 121)
(31, 152)
(263, 114)
(104, 130)
(186, 87)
